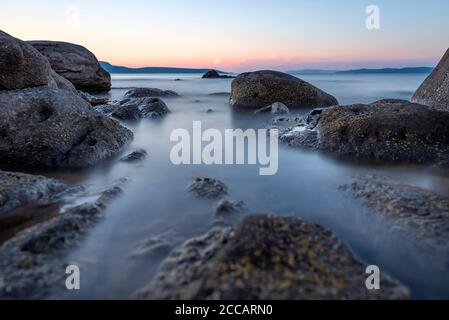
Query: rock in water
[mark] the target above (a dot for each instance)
(275, 108)
(208, 188)
(261, 88)
(138, 108)
(266, 257)
(18, 189)
(76, 64)
(46, 127)
(22, 66)
(434, 91)
(149, 93)
(391, 130)
(213, 74)
(136, 155)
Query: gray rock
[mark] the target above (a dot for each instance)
(19, 189)
(213, 74)
(266, 258)
(138, 108)
(47, 127)
(261, 88)
(93, 101)
(136, 155)
(228, 206)
(22, 66)
(76, 64)
(434, 91)
(275, 108)
(391, 130)
(149, 93)
(208, 188)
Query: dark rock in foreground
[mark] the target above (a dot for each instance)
(434, 91)
(149, 93)
(261, 88)
(263, 258)
(392, 130)
(22, 66)
(45, 127)
(76, 64)
(19, 189)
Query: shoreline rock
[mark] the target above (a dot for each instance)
(266, 257)
(213, 74)
(149, 93)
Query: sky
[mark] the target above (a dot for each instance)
(239, 35)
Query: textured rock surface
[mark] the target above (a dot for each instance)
(149, 93)
(138, 108)
(208, 188)
(266, 257)
(434, 91)
(136, 155)
(76, 64)
(261, 88)
(22, 66)
(392, 130)
(47, 127)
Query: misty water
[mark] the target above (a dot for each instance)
(156, 203)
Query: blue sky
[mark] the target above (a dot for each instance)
(239, 35)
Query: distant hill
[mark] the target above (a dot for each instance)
(388, 70)
(120, 69)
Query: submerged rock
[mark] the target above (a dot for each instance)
(136, 155)
(261, 88)
(45, 127)
(76, 64)
(138, 108)
(208, 188)
(19, 189)
(392, 130)
(22, 66)
(149, 93)
(434, 91)
(227, 206)
(266, 257)
(275, 108)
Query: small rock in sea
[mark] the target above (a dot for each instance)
(262, 88)
(136, 155)
(226, 206)
(177, 79)
(138, 108)
(275, 108)
(213, 74)
(207, 188)
(209, 111)
(151, 247)
(266, 257)
(76, 64)
(149, 93)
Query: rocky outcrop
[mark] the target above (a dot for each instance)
(22, 66)
(149, 93)
(266, 257)
(140, 108)
(392, 130)
(213, 74)
(261, 88)
(76, 64)
(19, 189)
(434, 91)
(46, 127)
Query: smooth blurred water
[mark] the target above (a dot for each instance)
(156, 202)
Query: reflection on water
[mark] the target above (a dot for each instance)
(156, 203)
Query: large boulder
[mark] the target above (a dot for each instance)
(392, 130)
(261, 88)
(434, 91)
(22, 66)
(46, 127)
(76, 64)
(266, 257)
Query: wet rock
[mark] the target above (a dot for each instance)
(392, 130)
(275, 108)
(228, 206)
(266, 257)
(22, 66)
(19, 189)
(151, 247)
(46, 127)
(76, 64)
(261, 88)
(93, 101)
(138, 108)
(149, 93)
(213, 74)
(208, 188)
(434, 91)
(136, 155)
